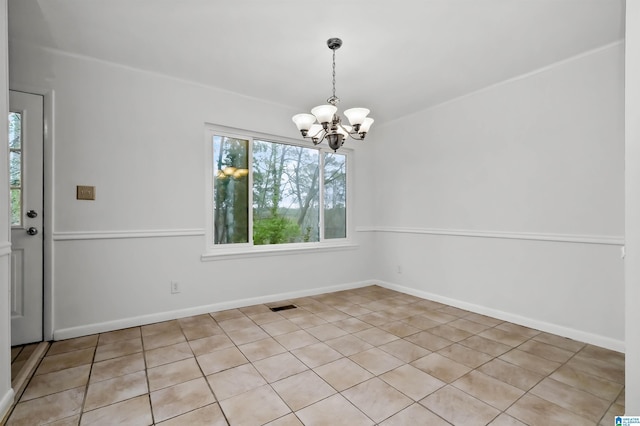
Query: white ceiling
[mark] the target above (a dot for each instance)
(398, 56)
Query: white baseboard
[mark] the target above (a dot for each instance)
(582, 336)
(5, 403)
(85, 330)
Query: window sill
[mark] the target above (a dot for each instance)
(274, 250)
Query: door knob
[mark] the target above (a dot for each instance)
(32, 231)
(32, 214)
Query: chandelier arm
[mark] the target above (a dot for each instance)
(351, 134)
(316, 135)
(324, 135)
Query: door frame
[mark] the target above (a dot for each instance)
(48, 205)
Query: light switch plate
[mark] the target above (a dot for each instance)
(84, 192)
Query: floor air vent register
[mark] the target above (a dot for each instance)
(283, 308)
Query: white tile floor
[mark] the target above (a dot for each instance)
(357, 357)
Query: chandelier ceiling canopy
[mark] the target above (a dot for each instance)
(324, 121)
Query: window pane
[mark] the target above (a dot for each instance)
(231, 190)
(335, 196)
(15, 130)
(285, 193)
(16, 207)
(15, 169)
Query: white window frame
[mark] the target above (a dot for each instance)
(241, 250)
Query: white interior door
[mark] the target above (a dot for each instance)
(26, 183)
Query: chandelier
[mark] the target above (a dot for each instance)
(324, 121)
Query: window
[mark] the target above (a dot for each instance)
(15, 167)
(266, 193)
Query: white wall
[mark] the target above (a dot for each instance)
(508, 201)
(511, 200)
(6, 393)
(139, 138)
(632, 207)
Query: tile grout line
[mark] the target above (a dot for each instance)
(204, 376)
(86, 389)
(146, 376)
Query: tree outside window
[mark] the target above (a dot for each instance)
(335, 196)
(293, 190)
(231, 189)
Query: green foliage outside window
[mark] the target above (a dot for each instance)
(275, 230)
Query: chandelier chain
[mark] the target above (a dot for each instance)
(334, 74)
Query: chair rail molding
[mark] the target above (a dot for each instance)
(5, 248)
(533, 236)
(122, 234)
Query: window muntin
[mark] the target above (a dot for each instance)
(16, 161)
(287, 194)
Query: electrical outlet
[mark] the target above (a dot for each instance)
(175, 287)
